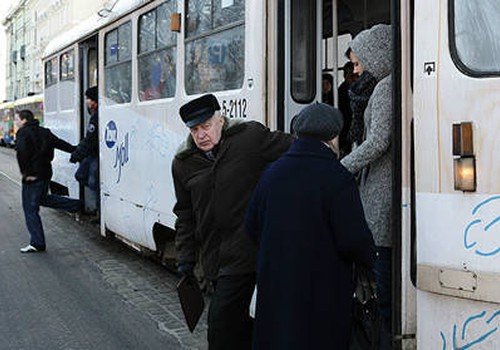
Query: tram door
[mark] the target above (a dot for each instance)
(89, 71)
(301, 54)
(456, 109)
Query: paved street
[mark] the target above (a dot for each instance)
(85, 291)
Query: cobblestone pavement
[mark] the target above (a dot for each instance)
(143, 285)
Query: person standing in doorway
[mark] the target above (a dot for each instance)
(372, 48)
(35, 151)
(87, 151)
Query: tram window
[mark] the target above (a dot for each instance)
(118, 68)
(303, 51)
(215, 45)
(112, 47)
(68, 65)
(228, 11)
(157, 53)
(198, 17)
(51, 72)
(475, 32)
(92, 68)
(147, 31)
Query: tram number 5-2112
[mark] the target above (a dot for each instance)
(236, 108)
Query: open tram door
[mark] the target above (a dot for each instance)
(456, 111)
(312, 39)
(88, 66)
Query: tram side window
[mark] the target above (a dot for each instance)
(215, 45)
(68, 65)
(476, 38)
(303, 51)
(118, 64)
(51, 72)
(92, 67)
(157, 53)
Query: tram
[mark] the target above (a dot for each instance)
(7, 112)
(264, 60)
(7, 127)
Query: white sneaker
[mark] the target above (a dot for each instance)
(29, 249)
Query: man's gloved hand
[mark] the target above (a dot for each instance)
(185, 269)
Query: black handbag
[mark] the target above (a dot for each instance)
(366, 321)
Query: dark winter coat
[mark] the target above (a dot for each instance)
(89, 146)
(212, 196)
(307, 217)
(35, 150)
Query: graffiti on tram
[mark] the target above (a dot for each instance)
(473, 333)
(482, 234)
(122, 149)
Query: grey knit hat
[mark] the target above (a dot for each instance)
(319, 121)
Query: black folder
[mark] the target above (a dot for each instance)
(192, 301)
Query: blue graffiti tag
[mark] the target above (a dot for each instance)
(469, 344)
(122, 156)
(482, 230)
(111, 134)
(122, 150)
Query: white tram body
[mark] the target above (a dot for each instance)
(264, 61)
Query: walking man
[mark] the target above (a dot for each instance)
(214, 174)
(35, 151)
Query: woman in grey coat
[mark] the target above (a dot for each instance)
(372, 159)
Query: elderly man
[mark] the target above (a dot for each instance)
(307, 217)
(214, 174)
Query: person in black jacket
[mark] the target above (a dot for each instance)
(35, 151)
(214, 174)
(87, 151)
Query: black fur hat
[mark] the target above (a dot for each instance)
(198, 110)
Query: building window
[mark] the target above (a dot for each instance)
(475, 36)
(157, 53)
(215, 45)
(68, 65)
(118, 63)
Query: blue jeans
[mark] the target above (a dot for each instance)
(34, 195)
(383, 277)
(88, 172)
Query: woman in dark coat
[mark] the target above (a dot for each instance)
(307, 218)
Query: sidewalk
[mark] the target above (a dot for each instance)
(144, 285)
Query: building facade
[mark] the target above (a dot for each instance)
(29, 28)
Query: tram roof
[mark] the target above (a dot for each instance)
(91, 25)
(28, 99)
